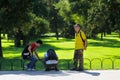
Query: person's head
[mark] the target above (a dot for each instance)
(39, 43)
(77, 27)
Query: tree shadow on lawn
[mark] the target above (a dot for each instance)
(114, 56)
(57, 41)
(43, 48)
(15, 50)
(106, 43)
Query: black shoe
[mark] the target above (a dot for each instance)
(47, 69)
(80, 69)
(73, 69)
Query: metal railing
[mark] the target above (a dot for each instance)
(18, 64)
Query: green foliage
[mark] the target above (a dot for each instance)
(103, 17)
(41, 25)
(14, 13)
(64, 8)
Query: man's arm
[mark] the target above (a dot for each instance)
(37, 54)
(29, 49)
(85, 44)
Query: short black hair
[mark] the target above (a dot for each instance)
(78, 25)
(39, 41)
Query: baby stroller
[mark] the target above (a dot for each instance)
(50, 60)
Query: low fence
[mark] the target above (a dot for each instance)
(95, 63)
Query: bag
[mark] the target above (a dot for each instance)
(51, 55)
(25, 53)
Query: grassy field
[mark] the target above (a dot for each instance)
(107, 48)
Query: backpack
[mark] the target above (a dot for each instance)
(82, 39)
(51, 55)
(25, 53)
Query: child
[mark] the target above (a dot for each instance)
(50, 60)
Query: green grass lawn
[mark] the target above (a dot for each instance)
(107, 48)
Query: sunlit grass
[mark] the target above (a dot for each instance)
(65, 48)
(107, 48)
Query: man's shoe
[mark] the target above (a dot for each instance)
(32, 69)
(47, 69)
(73, 69)
(29, 69)
(80, 69)
(25, 67)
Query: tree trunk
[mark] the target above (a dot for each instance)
(56, 27)
(1, 54)
(25, 40)
(18, 37)
(57, 35)
(104, 34)
(4, 35)
(119, 33)
(17, 41)
(101, 35)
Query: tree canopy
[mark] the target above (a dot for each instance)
(25, 19)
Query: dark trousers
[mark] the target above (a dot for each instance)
(78, 59)
(32, 62)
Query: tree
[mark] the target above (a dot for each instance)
(13, 14)
(41, 25)
(55, 20)
(103, 17)
(64, 19)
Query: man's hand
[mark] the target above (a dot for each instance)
(85, 48)
(85, 45)
(37, 55)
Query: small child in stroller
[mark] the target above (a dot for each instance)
(50, 60)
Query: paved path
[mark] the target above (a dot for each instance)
(61, 75)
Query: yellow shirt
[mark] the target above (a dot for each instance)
(79, 44)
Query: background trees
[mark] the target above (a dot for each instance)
(28, 19)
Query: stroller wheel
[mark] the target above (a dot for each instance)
(56, 69)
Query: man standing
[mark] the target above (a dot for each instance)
(30, 53)
(80, 46)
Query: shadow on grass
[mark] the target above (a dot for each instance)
(43, 48)
(106, 43)
(114, 56)
(49, 39)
